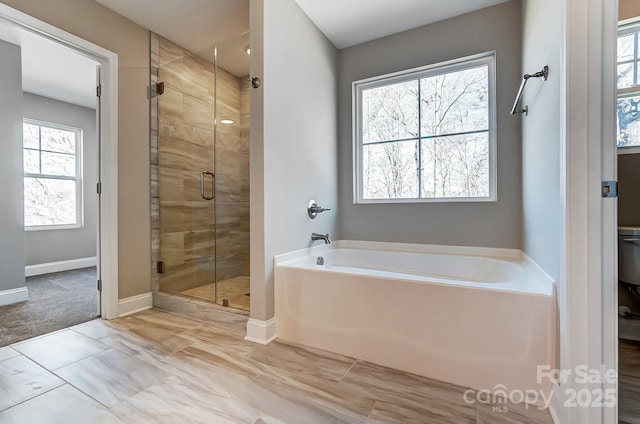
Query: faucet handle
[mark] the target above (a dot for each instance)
(319, 209)
(313, 209)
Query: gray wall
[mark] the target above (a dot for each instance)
(495, 224)
(11, 224)
(629, 189)
(60, 245)
(541, 136)
(297, 158)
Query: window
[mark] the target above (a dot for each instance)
(628, 84)
(427, 134)
(52, 176)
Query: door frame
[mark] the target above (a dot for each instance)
(587, 290)
(108, 227)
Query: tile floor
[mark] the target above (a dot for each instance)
(157, 367)
(629, 382)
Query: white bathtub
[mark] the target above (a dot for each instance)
(474, 317)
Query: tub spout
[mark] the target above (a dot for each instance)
(324, 237)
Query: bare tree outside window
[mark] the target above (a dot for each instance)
(51, 180)
(427, 137)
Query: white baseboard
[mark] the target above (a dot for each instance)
(9, 297)
(134, 304)
(262, 332)
(48, 268)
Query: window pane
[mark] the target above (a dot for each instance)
(390, 170)
(31, 161)
(455, 102)
(30, 136)
(390, 112)
(58, 164)
(456, 166)
(625, 48)
(49, 202)
(625, 75)
(56, 140)
(628, 121)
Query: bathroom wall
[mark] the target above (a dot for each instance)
(94, 22)
(494, 224)
(541, 224)
(61, 245)
(293, 138)
(628, 9)
(11, 174)
(629, 189)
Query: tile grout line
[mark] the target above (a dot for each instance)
(347, 372)
(65, 383)
(245, 385)
(375, 402)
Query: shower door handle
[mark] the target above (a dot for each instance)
(203, 176)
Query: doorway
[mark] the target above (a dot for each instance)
(15, 28)
(628, 149)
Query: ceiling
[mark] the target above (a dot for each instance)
(52, 70)
(198, 24)
(350, 22)
(193, 24)
(55, 71)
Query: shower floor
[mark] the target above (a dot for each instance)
(235, 289)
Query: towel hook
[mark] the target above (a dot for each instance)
(544, 74)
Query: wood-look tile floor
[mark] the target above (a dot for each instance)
(234, 289)
(157, 367)
(629, 382)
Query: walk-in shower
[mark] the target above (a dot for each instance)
(200, 171)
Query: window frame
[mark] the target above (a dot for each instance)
(627, 27)
(78, 178)
(483, 59)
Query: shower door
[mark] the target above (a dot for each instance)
(184, 177)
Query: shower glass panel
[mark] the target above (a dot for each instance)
(200, 171)
(232, 172)
(184, 231)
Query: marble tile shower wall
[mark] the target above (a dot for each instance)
(232, 176)
(182, 146)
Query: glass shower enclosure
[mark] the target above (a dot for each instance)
(200, 171)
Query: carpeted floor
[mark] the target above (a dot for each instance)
(56, 301)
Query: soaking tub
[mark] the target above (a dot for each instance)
(475, 317)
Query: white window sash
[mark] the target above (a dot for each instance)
(77, 178)
(469, 62)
